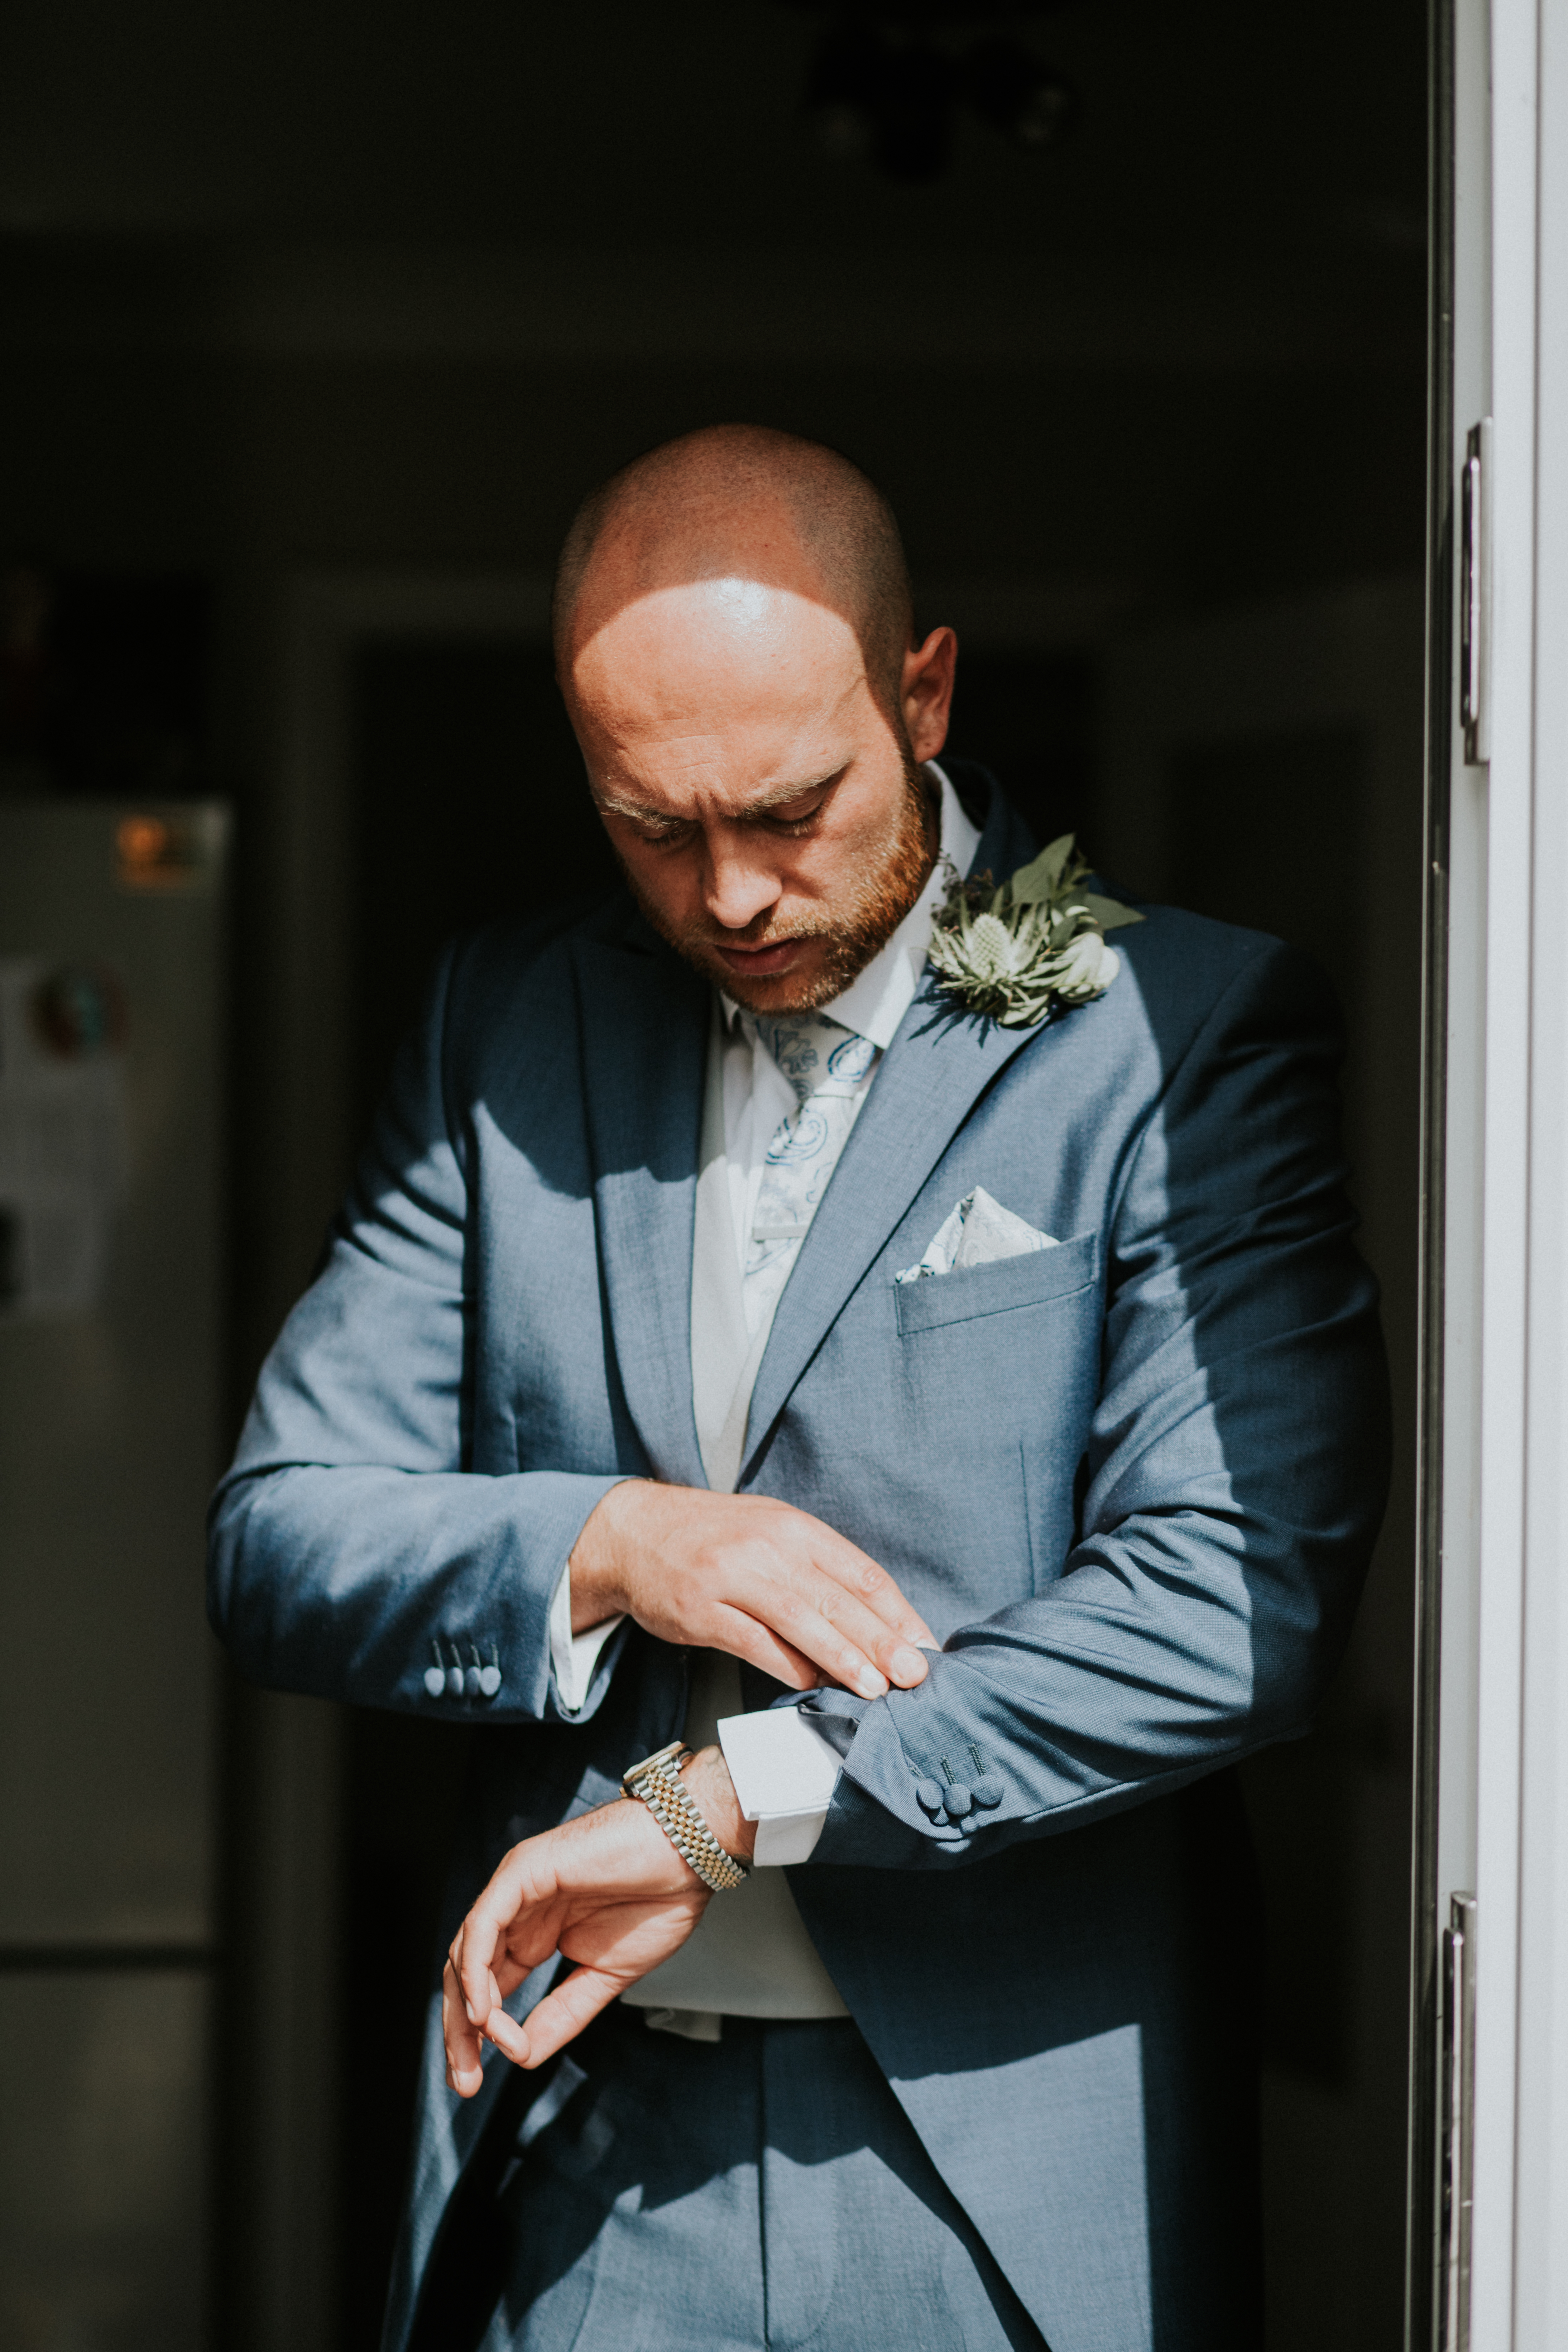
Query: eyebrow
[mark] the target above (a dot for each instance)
(775, 796)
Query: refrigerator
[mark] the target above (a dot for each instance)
(112, 1413)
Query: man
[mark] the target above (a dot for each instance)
(724, 1313)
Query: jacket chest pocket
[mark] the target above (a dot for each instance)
(1034, 1278)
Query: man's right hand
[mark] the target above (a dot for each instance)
(748, 1575)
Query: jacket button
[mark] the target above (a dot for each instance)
(988, 1792)
(435, 1680)
(928, 1795)
(958, 1800)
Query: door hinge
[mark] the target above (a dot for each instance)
(1476, 594)
(1457, 2085)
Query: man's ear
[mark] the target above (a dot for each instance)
(927, 692)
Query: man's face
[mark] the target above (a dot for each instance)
(765, 802)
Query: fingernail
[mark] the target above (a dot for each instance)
(871, 1683)
(909, 1667)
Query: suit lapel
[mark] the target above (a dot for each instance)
(931, 1075)
(644, 1025)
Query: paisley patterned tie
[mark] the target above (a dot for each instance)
(829, 1067)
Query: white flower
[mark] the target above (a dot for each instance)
(1086, 969)
(1032, 948)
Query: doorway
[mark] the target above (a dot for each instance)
(332, 317)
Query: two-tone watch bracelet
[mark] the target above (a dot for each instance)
(657, 1781)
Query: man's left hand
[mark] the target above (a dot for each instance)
(607, 1891)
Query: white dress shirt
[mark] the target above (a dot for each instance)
(782, 1769)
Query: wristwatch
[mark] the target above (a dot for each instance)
(657, 1781)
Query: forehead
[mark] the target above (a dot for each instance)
(729, 642)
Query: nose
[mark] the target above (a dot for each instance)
(738, 886)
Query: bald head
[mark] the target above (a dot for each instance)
(733, 644)
(739, 502)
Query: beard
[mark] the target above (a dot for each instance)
(854, 927)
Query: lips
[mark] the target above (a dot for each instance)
(759, 962)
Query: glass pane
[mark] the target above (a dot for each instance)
(109, 1401)
(102, 2162)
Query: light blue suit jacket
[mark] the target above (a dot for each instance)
(1132, 1482)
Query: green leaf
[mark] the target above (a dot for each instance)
(1042, 878)
(1109, 913)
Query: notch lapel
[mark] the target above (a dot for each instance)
(933, 1073)
(644, 1017)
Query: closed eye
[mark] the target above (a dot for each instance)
(776, 821)
(791, 817)
(659, 831)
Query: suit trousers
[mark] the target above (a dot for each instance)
(763, 2190)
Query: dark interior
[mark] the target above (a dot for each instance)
(1125, 310)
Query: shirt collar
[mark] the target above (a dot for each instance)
(877, 999)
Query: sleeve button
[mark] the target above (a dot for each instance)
(928, 1796)
(472, 1681)
(987, 1793)
(435, 1680)
(958, 1800)
(454, 1681)
(489, 1681)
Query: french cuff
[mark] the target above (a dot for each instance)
(784, 1774)
(574, 1657)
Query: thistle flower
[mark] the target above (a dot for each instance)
(1033, 948)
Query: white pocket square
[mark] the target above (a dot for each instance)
(979, 1230)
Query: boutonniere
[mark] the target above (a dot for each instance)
(1034, 947)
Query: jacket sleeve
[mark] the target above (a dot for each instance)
(1231, 1490)
(351, 1552)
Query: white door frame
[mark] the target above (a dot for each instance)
(1496, 1818)
(1522, 1801)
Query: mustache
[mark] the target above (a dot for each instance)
(755, 934)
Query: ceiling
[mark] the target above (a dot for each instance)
(1262, 133)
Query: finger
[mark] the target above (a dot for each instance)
(475, 1946)
(476, 1988)
(465, 2070)
(780, 1607)
(900, 1661)
(511, 1967)
(741, 1635)
(819, 1617)
(869, 1582)
(560, 2016)
(510, 2038)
